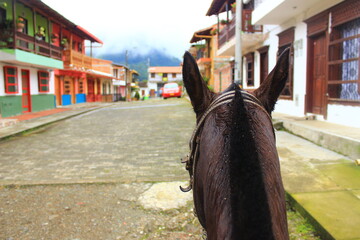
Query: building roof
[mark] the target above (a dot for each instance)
(203, 32)
(45, 10)
(177, 69)
(217, 6)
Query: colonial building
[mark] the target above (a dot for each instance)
(252, 37)
(158, 76)
(28, 57)
(43, 62)
(324, 37)
(119, 81)
(324, 40)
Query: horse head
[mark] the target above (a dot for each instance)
(233, 164)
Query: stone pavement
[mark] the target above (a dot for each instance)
(322, 184)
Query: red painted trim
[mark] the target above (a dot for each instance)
(28, 95)
(41, 85)
(91, 36)
(7, 84)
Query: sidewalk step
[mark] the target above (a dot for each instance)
(341, 139)
(7, 122)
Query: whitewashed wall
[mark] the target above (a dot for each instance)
(34, 85)
(336, 113)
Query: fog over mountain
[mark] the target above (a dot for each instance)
(140, 62)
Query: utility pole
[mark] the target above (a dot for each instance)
(238, 50)
(128, 78)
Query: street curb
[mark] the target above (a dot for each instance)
(340, 144)
(23, 131)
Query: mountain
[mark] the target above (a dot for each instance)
(140, 62)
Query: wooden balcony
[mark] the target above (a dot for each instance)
(228, 32)
(29, 44)
(75, 60)
(101, 65)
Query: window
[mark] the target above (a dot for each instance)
(344, 60)
(174, 75)
(152, 75)
(43, 78)
(165, 75)
(286, 39)
(11, 82)
(250, 69)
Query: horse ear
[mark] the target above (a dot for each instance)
(270, 89)
(199, 93)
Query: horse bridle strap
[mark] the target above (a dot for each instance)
(225, 98)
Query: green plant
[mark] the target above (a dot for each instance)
(137, 95)
(41, 32)
(20, 20)
(223, 21)
(206, 79)
(64, 41)
(214, 31)
(6, 33)
(233, 5)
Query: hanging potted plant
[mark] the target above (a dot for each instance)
(233, 7)
(54, 37)
(20, 24)
(40, 35)
(64, 42)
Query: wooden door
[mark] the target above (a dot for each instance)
(91, 90)
(26, 94)
(317, 76)
(58, 90)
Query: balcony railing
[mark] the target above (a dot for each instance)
(101, 65)
(30, 44)
(76, 60)
(228, 32)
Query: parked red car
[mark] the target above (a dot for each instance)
(171, 90)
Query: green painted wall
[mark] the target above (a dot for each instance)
(42, 102)
(8, 8)
(25, 12)
(42, 22)
(31, 58)
(10, 106)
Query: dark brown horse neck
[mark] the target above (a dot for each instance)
(232, 194)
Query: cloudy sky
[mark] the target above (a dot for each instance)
(138, 25)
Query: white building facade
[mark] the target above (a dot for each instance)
(324, 37)
(158, 76)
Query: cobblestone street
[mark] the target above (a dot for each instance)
(111, 173)
(140, 141)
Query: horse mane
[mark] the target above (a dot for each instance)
(246, 180)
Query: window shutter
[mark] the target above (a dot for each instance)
(286, 37)
(317, 23)
(345, 12)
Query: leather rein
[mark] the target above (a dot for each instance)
(191, 159)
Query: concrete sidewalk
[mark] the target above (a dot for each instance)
(323, 185)
(339, 138)
(16, 125)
